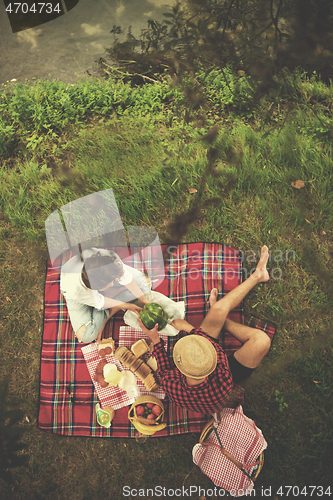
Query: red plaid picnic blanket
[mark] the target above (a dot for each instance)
(67, 393)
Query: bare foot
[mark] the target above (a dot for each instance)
(213, 297)
(261, 271)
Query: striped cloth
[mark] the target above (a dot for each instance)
(67, 393)
(114, 396)
(241, 438)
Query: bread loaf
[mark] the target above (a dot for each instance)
(138, 367)
(143, 371)
(140, 348)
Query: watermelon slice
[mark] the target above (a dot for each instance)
(153, 313)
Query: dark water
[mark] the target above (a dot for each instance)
(67, 47)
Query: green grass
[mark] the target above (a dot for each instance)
(150, 157)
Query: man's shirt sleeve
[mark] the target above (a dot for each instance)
(162, 358)
(160, 354)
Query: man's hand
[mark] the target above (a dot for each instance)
(152, 334)
(181, 324)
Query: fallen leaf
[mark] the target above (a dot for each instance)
(192, 190)
(8, 299)
(317, 381)
(18, 251)
(323, 233)
(306, 220)
(298, 184)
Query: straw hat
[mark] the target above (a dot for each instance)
(195, 356)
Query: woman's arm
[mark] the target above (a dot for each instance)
(109, 303)
(134, 288)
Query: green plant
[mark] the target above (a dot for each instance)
(225, 87)
(282, 405)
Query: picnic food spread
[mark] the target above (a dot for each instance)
(148, 417)
(138, 367)
(147, 412)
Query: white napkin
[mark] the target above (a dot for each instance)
(173, 309)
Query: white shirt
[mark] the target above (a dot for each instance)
(72, 286)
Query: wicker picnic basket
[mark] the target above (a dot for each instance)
(141, 426)
(258, 465)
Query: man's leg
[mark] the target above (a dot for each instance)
(217, 314)
(256, 343)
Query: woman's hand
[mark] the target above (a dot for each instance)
(181, 324)
(133, 307)
(143, 300)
